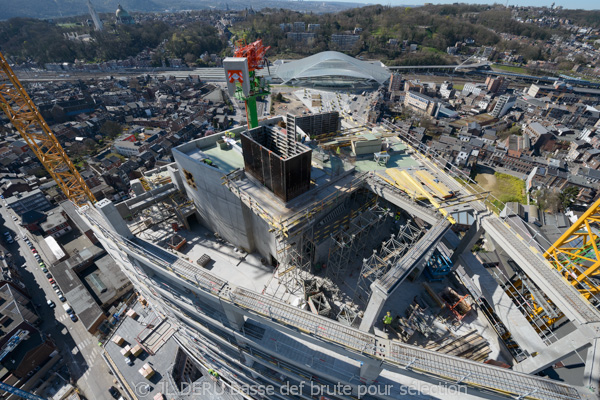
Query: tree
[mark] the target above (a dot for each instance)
(111, 129)
(567, 197)
(547, 200)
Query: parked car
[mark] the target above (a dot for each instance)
(128, 361)
(62, 298)
(50, 304)
(114, 392)
(51, 280)
(45, 270)
(48, 275)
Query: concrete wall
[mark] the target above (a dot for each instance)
(221, 211)
(264, 241)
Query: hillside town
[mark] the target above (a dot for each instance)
(161, 140)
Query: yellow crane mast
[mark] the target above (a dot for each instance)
(26, 118)
(576, 254)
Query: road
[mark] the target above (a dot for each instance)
(78, 348)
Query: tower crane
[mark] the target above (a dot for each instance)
(19, 392)
(243, 83)
(27, 119)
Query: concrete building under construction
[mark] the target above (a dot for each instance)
(294, 253)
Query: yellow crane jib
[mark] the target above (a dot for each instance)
(26, 118)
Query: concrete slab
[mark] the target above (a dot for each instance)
(240, 269)
(161, 361)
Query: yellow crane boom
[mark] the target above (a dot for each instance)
(26, 118)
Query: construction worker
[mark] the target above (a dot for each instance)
(387, 321)
(213, 373)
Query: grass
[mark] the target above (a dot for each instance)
(458, 86)
(433, 50)
(509, 68)
(119, 156)
(503, 187)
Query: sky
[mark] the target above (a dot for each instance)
(573, 4)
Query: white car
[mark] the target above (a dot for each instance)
(14, 218)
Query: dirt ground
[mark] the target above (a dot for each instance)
(292, 105)
(487, 181)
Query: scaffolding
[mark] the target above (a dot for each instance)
(379, 263)
(293, 269)
(539, 311)
(347, 316)
(349, 243)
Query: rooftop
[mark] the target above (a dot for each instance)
(161, 361)
(226, 160)
(332, 63)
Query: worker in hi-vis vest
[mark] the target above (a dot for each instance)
(387, 321)
(213, 373)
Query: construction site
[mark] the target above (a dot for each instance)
(274, 260)
(326, 259)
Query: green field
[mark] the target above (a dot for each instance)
(509, 68)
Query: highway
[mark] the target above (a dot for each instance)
(78, 348)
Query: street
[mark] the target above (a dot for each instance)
(78, 348)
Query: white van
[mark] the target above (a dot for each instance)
(67, 308)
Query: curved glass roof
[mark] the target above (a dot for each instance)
(332, 63)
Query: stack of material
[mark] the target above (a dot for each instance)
(159, 396)
(420, 319)
(146, 371)
(142, 300)
(126, 351)
(132, 314)
(137, 350)
(472, 346)
(118, 340)
(403, 328)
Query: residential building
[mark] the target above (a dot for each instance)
(55, 225)
(496, 85)
(343, 41)
(304, 37)
(475, 88)
(28, 201)
(299, 26)
(503, 105)
(421, 103)
(30, 354)
(128, 149)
